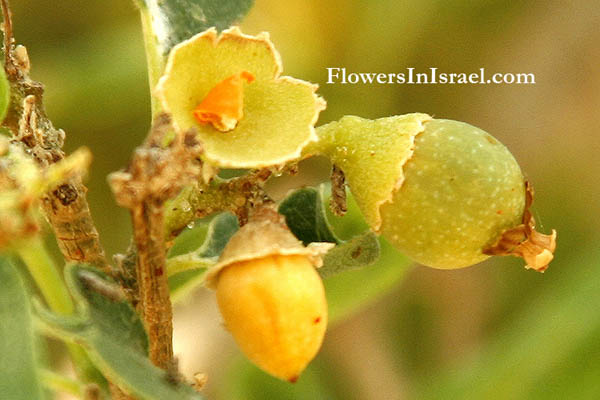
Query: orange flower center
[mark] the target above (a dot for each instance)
(223, 105)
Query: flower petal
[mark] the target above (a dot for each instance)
(279, 113)
(223, 106)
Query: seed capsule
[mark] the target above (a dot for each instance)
(445, 193)
(275, 309)
(462, 189)
(271, 297)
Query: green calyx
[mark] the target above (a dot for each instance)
(440, 191)
(371, 154)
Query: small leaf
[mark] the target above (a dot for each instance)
(186, 270)
(190, 238)
(177, 20)
(4, 94)
(349, 292)
(220, 230)
(358, 252)
(114, 336)
(17, 361)
(305, 216)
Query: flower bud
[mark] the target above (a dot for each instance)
(271, 297)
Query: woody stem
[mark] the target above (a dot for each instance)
(155, 304)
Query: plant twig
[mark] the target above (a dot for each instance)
(152, 280)
(238, 195)
(8, 35)
(155, 174)
(66, 206)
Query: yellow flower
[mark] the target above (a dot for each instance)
(229, 89)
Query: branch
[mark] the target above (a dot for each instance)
(238, 195)
(8, 35)
(155, 174)
(65, 207)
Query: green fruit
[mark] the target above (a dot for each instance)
(462, 189)
(440, 191)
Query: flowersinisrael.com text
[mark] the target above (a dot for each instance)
(337, 75)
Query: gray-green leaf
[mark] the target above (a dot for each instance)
(356, 253)
(108, 327)
(174, 21)
(186, 270)
(18, 372)
(305, 216)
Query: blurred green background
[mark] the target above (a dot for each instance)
(493, 331)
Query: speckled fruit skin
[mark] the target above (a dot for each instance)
(275, 308)
(462, 189)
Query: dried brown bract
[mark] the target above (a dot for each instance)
(338, 192)
(524, 241)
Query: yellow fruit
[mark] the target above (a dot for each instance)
(275, 308)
